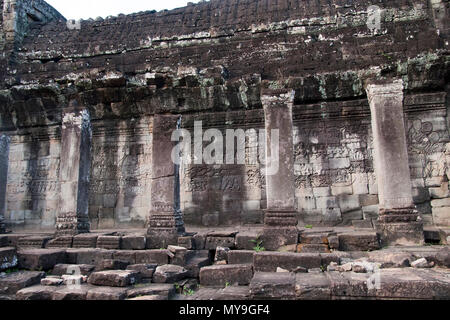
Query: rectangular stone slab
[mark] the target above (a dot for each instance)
(270, 261)
(114, 278)
(221, 275)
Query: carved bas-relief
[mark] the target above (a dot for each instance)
(4, 158)
(165, 222)
(76, 140)
(399, 222)
(280, 222)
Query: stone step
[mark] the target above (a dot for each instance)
(359, 241)
(154, 289)
(271, 285)
(240, 257)
(40, 259)
(225, 275)
(82, 269)
(8, 258)
(170, 274)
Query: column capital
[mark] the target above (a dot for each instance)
(391, 87)
(277, 97)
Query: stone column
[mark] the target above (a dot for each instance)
(165, 221)
(280, 222)
(399, 222)
(74, 174)
(4, 160)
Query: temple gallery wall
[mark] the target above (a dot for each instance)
(363, 114)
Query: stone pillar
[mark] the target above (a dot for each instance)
(74, 174)
(280, 222)
(4, 160)
(165, 221)
(399, 221)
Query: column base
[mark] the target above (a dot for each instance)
(400, 227)
(280, 229)
(68, 225)
(164, 230)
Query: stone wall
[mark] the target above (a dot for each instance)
(208, 62)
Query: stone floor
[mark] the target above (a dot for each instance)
(222, 264)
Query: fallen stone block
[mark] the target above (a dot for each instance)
(220, 276)
(240, 257)
(133, 242)
(221, 254)
(358, 241)
(389, 259)
(81, 269)
(37, 242)
(106, 294)
(40, 259)
(179, 255)
(8, 258)
(65, 293)
(114, 278)
(270, 261)
(158, 289)
(112, 264)
(16, 281)
(422, 263)
(109, 242)
(312, 286)
(60, 242)
(146, 271)
(169, 274)
(86, 240)
(36, 293)
(159, 257)
(269, 285)
(52, 281)
(313, 238)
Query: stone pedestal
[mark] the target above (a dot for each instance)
(280, 222)
(4, 160)
(74, 175)
(399, 222)
(165, 224)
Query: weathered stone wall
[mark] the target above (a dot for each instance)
(207, 62)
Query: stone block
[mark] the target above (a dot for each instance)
(270, 261)
(110, 264)
(199, 260)
(199, 241)
(37, 242)
(133, 242)
(312, 286)
(221, 275)
(16, 281)
(169, 274)
(87, 256)
(359, 241)
(159, 257)
(326, 203)
(36, 293)
(114, 278)
(8, 258)
(213, 242)
(348, 203)
(349, 216)
(146, 271)
(268, 286)
(362, 224)
(341, 190)
(441, 216)
(440, 193)
(128, 256)
(82, 269)
(106, 294)
(71, 294)
(245, 240)
(40, 259)
(60, 242)
(322, 192)
(179, 255)
(313, 248)
(370, 212)
(85, 240)
(52, 281)
(240, 257)
(154, 289)
(438, 203)
(109, 242)
(187, 242)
